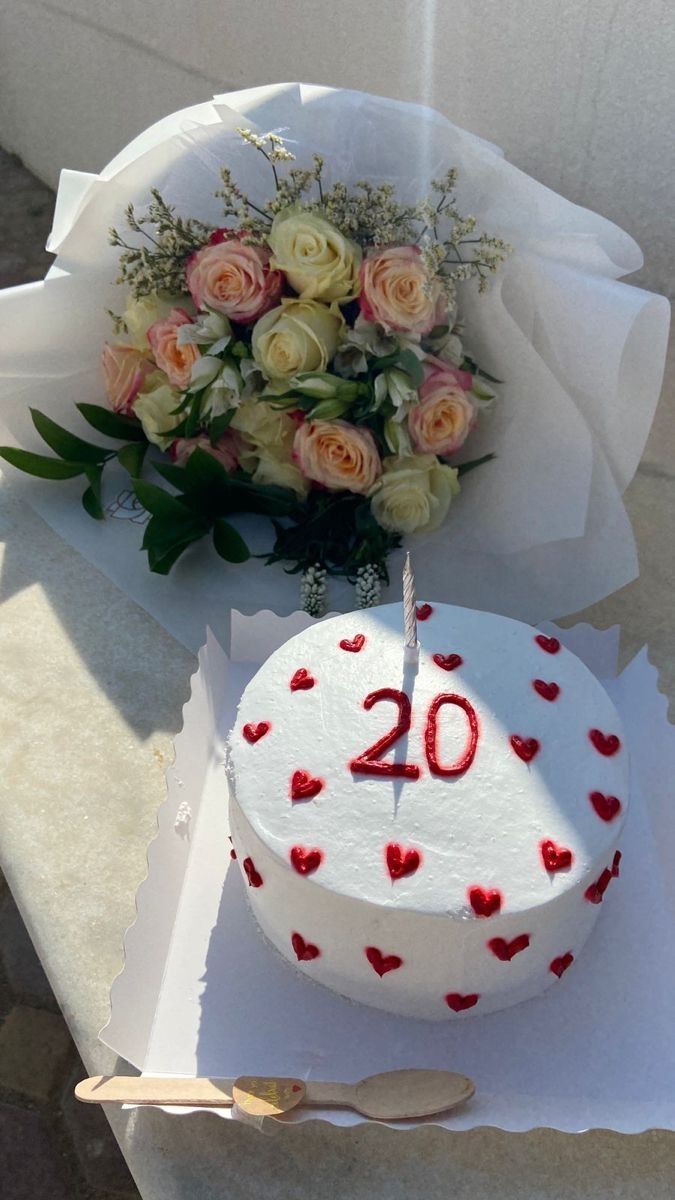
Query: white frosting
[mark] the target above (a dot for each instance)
(482, 828)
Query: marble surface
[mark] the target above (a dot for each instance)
(91, 691)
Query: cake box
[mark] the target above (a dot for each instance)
(201, 993)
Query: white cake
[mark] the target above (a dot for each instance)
(470, 878)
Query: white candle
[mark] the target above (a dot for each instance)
(412, 646)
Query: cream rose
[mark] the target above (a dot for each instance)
(124, 369)
(442, 419)
(338, 455)
(317, 260)
(154, 410)
(271, 467)
(299, 335)
(226, 450)
(175, 360)
(139, 314)
(398, 293)
(232, 278)
(414, 493)
(268, 448)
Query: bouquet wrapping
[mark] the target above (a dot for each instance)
(537, 531)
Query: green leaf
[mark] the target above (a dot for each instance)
(411, 364)
(172, 473)
(112, 424)
(157, 501)
(464, 468)
(219, 425)
(166, 538)
(193, 421)
(162, 564)
(163, 533)
(65, 444)
(185, 403)
(131, 457)
(209, 489)
(91, 499)
(470, 365)
(228, 543)
(40, 464)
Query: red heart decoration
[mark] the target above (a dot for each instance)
(555, 858)
(560, 964)
(423, 612)
(304, 951)
(606, 807)
(233, 853)
(381, 963)
(302, 680)
(448, 662)
(485, 901)
(305, 786)
(550, 644)
(305, 861)
(459, 1003)
(253, 733)
(615, 864)
(504, 950)
(253, 876)
(605, 743)
(596, 891)
(357, 643)
(525, 748)
(401, 862)
(548, 691)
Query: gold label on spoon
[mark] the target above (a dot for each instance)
(262, 1096)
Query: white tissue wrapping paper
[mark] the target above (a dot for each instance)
(538, 532)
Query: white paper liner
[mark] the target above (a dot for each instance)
(202, 993)
(541, 530)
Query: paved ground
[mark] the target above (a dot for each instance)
(50, 1146)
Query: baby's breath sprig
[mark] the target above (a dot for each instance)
(159, 266)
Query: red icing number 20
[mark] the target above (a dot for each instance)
(369, 762)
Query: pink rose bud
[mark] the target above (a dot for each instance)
(124, 370)
(442, 420)
(398, 292)
(337, 455)
(232, 278)
(176, 361)
(226, 451)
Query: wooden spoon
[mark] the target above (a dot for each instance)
(393, 1095)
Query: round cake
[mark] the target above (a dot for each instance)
(435, 838)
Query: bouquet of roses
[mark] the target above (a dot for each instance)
(303, 362)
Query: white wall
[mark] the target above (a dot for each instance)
(580, 93)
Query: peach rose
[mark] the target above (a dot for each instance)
(233, 279)
(337, 455)
(226, 450)
(176, 361)
(124, 370)
(398, 293)
(442, 420)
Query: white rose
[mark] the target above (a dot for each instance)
(414, 493)
(139, 314)
(154, 410)
(276, 469)
(317, 260)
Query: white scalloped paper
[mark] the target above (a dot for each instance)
(201, 993)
